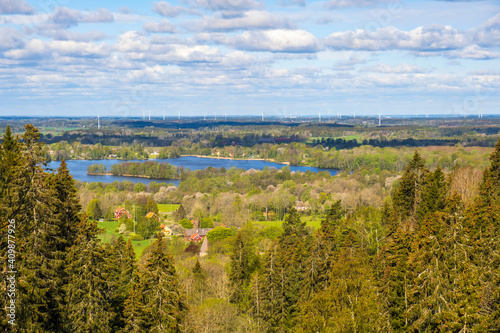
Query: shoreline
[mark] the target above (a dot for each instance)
(127, 175)
(238, 159)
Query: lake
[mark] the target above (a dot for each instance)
(78, 168)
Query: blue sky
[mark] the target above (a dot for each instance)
(244, 57)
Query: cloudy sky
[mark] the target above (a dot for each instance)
(244, 57)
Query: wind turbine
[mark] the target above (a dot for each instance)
(98, 122)
(204, 116)
(149, 114)
(179, 114)
(262, 115)
(379, 120)
(225, 116)
(319, 117)
(215, 115)
(354, 115)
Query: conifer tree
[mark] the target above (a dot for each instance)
(239, 274)
(134, 313)
(161, 291)
(407, 196)
(322, 252)
(88, 292)
(433, 193)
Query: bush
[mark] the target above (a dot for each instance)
(136, 237)
(186, 224)
(219, 233)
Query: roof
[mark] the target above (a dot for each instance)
(202, 232)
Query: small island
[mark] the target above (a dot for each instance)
(148, 169)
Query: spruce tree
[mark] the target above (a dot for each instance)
(163, 297)
(88, 292)
(240, 270)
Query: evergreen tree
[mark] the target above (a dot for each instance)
(240, 270)
(151, 206)
(161, 291)
(180, 213)
(88, 292)
(322, 252)
(94, 209)
(407, 196)
(433, 193)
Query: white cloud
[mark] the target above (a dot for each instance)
(71, 17)
(432, 38)
(473, 52)
(488, 35)
(37, 49)
(163, 26)
(403, 68)
(229, 4)
(73, 35)
(166, 9)
(278, 40)
(15, 7)
(252, 19)
(10, 39)
(132, 41)
(351, 3)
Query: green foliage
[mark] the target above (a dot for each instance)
(219, 233)
(136, 237)
(180, 214)
(94, 209)
(163, 301)
(206, 222)
(139, 187)
(151, 206)
(149, 169)
(186, 224)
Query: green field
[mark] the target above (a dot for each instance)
(167, 208)
(315, 223)
(110, 228)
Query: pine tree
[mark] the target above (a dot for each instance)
(433, 193)
(322, 252)
(135, 313)
(239, 274)
(122, 266)
(407, 196)
(161, 291)
(88, 292)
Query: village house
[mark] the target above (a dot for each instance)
(122, 212)
(302, 206)
(196, 235)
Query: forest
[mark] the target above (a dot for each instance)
(148, 169)
(406, 243)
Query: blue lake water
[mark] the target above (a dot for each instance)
(78, 168)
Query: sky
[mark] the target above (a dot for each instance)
(247, 57)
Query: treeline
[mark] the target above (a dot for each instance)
(340, 143)
(61, 277)
(148, 169)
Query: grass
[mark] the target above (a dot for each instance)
(314, 222)
(110, 228)
(167, 208)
